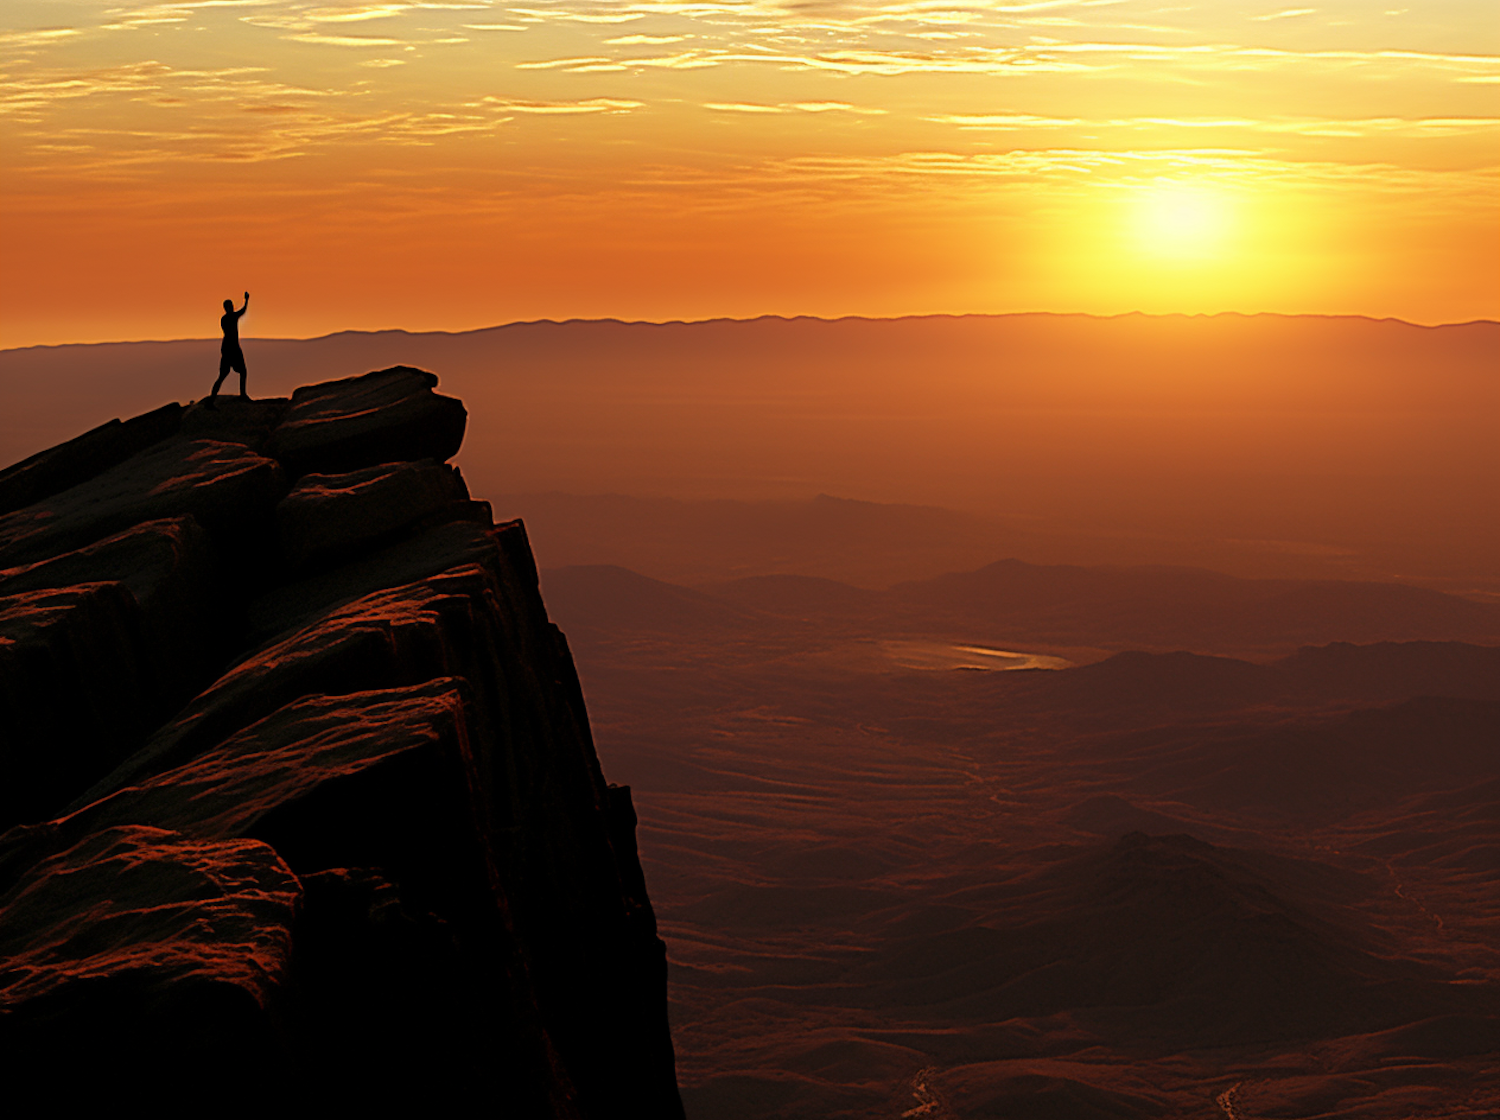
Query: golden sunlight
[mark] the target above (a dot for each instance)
(1182, 220)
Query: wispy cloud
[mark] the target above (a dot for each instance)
(343, 40)
(589, 65)
(25, 97)
(152, 15)
(573, 16)
(742, 107)
(357, 13)
(1302, 126)
(589, 105)
(849, 62)
(837, 107)
(1037, 58)
(1289, 13)
(792, 107)
(1092, 169)
(40, 37)
(645, 40)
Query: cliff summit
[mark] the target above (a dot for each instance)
(298, 781)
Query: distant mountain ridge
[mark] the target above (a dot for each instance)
(397, 332)
(1271, 445)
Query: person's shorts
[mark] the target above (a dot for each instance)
(232, 360)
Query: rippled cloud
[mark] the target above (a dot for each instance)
(1090, 170)
(1051, 57)
(792, 107)
(323, 74)
(588, 105)
(1304, 126)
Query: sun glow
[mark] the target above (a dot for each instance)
(1197, 244)
(1182, 220)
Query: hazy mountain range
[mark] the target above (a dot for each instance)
(1262, 445)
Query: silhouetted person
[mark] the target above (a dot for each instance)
(231, 357)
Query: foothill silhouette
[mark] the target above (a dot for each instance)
(231, 356)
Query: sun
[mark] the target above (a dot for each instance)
(1181, 220)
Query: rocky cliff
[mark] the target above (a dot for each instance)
(297, 777)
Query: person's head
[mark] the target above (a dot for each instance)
(229, 305)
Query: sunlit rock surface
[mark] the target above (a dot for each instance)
(298, 776)
(138, 941)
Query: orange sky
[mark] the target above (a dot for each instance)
(455, 165)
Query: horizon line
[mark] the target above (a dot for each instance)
(610, 320)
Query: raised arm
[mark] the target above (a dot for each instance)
(245, 308)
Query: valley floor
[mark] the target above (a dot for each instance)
(1158, 885)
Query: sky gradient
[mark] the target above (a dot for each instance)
(455, 165)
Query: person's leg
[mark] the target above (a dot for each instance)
(242, 379)
(223, 373)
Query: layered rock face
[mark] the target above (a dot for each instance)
(297, 777)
